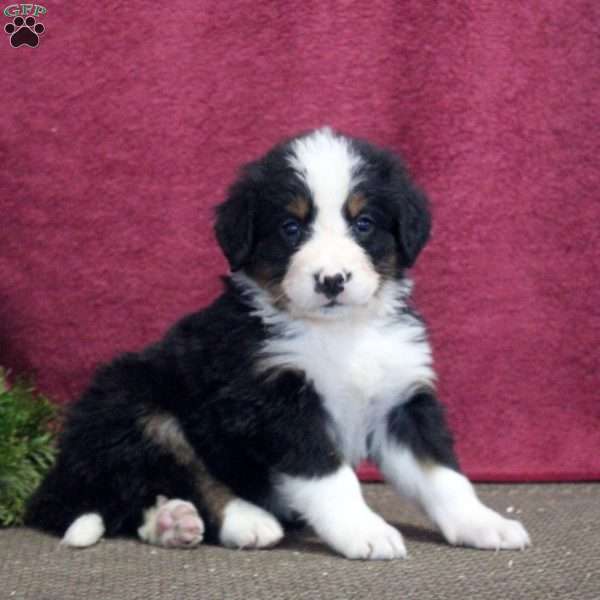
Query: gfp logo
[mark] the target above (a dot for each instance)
(25, 29)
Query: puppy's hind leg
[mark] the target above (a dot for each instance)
(176, 523)
(172, 523)
(228, 519)
(246, 525)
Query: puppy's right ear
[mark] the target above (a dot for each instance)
(234, 226)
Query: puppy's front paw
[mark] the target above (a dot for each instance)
(481, 527)
(246, 525)
(368, 537)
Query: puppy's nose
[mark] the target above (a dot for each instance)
(330, 285)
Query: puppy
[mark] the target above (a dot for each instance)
(252, 413)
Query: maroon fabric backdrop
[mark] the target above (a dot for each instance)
(121, 131)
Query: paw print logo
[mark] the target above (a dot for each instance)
(24, 32)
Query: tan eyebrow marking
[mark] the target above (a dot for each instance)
(299, 207)
(355, 204)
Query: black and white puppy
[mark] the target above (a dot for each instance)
(253, 411)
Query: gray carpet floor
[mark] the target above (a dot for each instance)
(563, 563)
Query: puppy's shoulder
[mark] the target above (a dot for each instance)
(228, 318)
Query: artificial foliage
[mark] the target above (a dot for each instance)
(27, 448)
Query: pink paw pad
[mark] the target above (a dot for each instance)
(178, 524)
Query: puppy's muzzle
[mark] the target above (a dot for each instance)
(331, 285)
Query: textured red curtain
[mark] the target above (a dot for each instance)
(121, 130)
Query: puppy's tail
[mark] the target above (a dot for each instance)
(84, 531)
(56, 508)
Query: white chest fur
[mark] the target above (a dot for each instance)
(361, 368)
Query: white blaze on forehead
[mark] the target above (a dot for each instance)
(328, 165)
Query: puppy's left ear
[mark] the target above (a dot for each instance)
(414, 223)
(234, 226)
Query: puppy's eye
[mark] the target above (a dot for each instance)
(363, 225)
(291, 230)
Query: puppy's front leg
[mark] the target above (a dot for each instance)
(313, 480)
(333, 505)
(414, 452)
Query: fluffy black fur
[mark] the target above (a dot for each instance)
(420, 425)
(201, 374)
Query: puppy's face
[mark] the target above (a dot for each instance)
(321, 222)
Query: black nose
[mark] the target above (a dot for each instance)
(331, 286)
